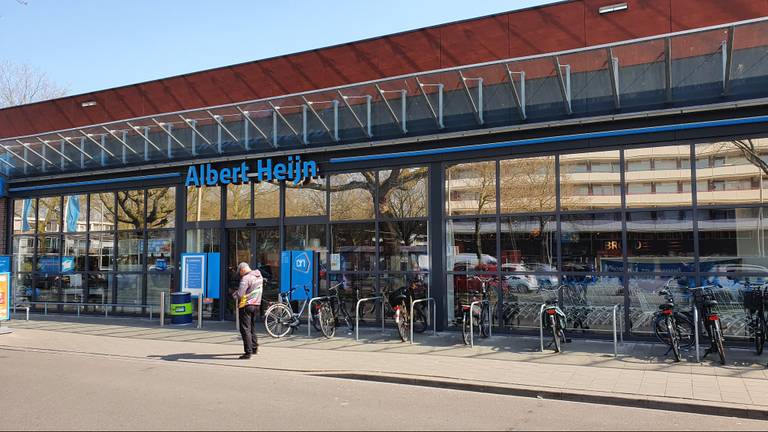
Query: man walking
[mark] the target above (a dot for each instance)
(248, 298)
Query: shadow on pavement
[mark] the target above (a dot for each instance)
(192, 356)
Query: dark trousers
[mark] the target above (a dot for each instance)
(248, 317)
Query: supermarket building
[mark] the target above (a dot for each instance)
(609, 146)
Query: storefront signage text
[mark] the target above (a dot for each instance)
(296, 171)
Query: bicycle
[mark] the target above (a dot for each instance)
(280, 319)
(328, 309)
(481, 318)
(704, 301)
(754, 304)
(671, 327)
(399, 302)
(553, 320)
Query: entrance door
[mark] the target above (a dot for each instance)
(260, 248)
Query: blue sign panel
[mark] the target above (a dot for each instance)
(285, 271)
(193, 273)
(212, 288)
(5, 263)
(302, 272)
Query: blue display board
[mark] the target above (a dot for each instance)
(298, 269)
(193, 270)
(5, 263)
(212, 287)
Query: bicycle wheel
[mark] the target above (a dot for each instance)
(555, 333)
(685, 330)
(348, 320)
(466, 328)
(717, 336)
(674, 341)
(327, 320)
(419, 319)
(316, 318)
(760, 335)
(277, 320)
(485, 320)
(404, 323)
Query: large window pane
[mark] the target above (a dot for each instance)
(266, 200)
(733, 240)
(48, 249)
(157, 283)
(356, 245)
(528, 244)
(22, 287)
(731, 172)
(403, 192)
(352, 195)
(160, 250)
(470, 188)
(306, 237)
(102, 211)
(101, 251)
(203, 240)
(100, 288)
(47, 287)
(471, 245)
(129, 251)
(644, 297)
(73, 258)
(528, 185)
(23, 253)
(161, 207)
(404, 246)
(75, 213)
(590, 180)
(307, 199)
(73, 287)
(130, 210)
(203, 203)
(25, 215)
(591, 242)
(658, 176)
(49, 214)
(128, 288)
(660, 241)
(239, 201)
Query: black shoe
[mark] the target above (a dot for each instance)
(244, 357)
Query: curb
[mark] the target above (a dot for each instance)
(723, 409)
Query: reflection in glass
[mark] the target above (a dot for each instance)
(644, 297)
(48, 249)
(470, 188)
(22, 287)
(591, 242)
(101, 252)
(75, 213)
(356, 243)
(528, 185)
(238, 201)
(128, 288)
(307, 199)
(203, 240)
(660, 241)
(404, 246)
(403, 192)
(23, 253)
(157, 283)
(590, 180)
(266, 200)
(731, 172)
(49, 214)
(24, 216)
(203, 203)
(129, 247)
(471, 245)
(99, 288)
(306, 237)
(161, 207)
(528, 244)
(73, 257)
(732, 240)
(354, 287)
(73, 287)
(130, 210)
(160, 251)
(352, 195)
(47, 287)
(658, 176)
(101, 211)
(588, 300)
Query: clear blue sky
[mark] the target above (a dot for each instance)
(89, 45)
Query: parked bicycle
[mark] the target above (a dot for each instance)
(553, 319)
(754, 304)
(671, 327)
(280, 319)
(705, 303)
(399, 302)
(330, 311)
(479, 318)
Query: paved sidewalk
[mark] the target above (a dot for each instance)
(587, 371)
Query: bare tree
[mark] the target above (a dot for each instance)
(22, 84)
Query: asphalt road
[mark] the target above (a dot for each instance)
(56, 390)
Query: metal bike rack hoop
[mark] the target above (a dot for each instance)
(696, 331)
(472, 319)
(615, 334)
(357, 314)
(434, 314)
(541, 325)
(309, 313)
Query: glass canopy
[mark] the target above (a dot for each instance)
(709, 65)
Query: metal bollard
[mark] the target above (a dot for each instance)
(200, 311)
(237, 319)
(162, 309)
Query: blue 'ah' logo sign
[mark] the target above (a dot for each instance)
(301, 263)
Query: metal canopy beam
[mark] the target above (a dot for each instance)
(276, 110)
(120, 140)
(217, 119)
(8, 149)
(400, 123)
(28, 147)
(668, 69)
(255, 126)
(564, 79)
(191, 124)
(6, 162)
(477, 106)
(438, 116)
(613, 72)
(335, 134)
(57, 151)
(518, 96)
(84, 153)
(106, 150)
(170, 135)
(366, 128)
(728, 61)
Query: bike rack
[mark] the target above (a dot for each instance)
(18, 306)
(696, 331)
(621, 326)
(472, 321)
(357, 314)
(541, 325)
(434, 314)
(309, 313)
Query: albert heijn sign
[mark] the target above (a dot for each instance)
(294, 170)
